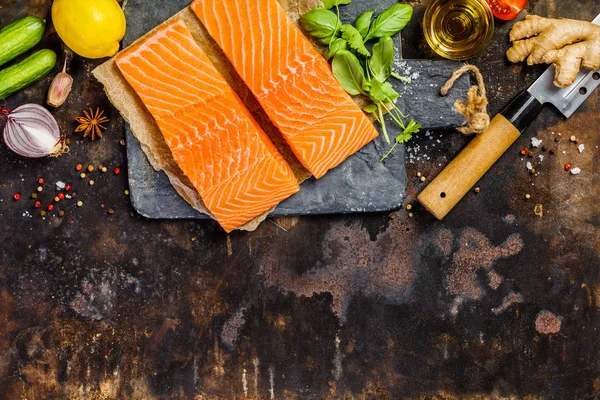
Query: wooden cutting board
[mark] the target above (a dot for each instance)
(360, 184)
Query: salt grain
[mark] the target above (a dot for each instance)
(529, 166)
(581, 147)
(60, 185)
(575, 171)
(535, 142)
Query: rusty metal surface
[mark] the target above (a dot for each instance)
(493, 302)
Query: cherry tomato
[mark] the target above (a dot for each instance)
(506, 9)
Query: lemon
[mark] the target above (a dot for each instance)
(91, 28)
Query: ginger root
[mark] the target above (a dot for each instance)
(568, 44)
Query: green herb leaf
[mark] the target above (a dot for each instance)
(380, 63)
(363, 22)
(335, 46)
(328, 4)
(389, 91)
(355, 40)
(321, 24)
(382, 92)
(348, 72)
(391, 21)
(366, 85)
(400, 77)
(408, 132)
(406, 135)
(370, 108)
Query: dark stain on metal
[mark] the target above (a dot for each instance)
(352, 264)
(475, 253)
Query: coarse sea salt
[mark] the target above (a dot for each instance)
(581, 147)
(529, 166)
(575, 171)
(535, 142)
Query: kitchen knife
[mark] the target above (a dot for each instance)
(463, 172)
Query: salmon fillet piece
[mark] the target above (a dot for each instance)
(214, 139)
(292, 81)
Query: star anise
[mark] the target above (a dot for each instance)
(91, 123)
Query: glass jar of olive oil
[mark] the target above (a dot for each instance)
(458, 29)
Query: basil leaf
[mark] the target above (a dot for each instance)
(382, 92)
(334, 3)
(348, 72)
(321, 24)
(391, 21)
(380, 63)
(370, 108)
(355, 40)
(363, 22)
(335, 46)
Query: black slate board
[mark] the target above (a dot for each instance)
(360, 184)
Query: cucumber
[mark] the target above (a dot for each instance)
(28, 71)
(20, 36)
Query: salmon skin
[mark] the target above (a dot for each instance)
(214, 139)
(292, 81)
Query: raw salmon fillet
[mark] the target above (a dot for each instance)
(214, 139)
(291, 80)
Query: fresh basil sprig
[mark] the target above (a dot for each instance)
(360, 71)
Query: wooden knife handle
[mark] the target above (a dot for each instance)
(450, 186)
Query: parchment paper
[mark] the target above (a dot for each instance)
(145, 129)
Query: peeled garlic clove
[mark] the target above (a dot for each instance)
(59, 89)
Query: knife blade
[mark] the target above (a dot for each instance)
(567, 100)
(463, 172)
